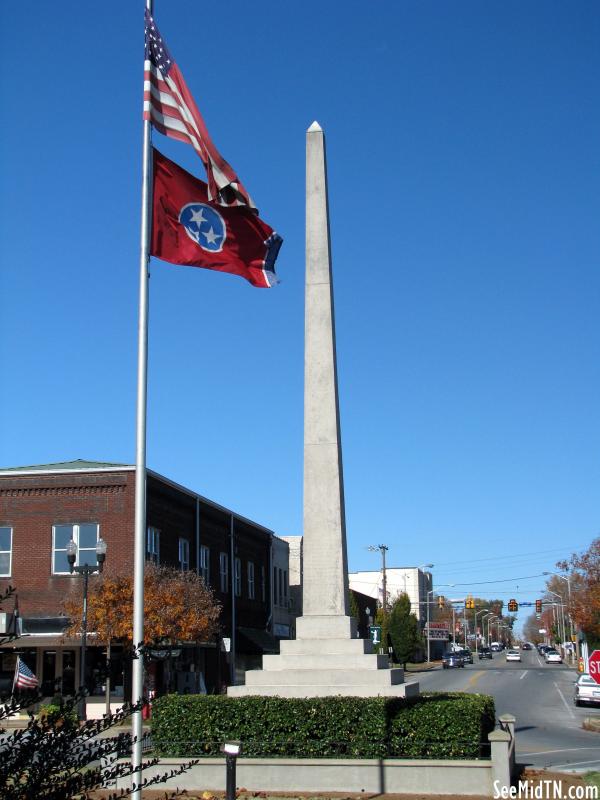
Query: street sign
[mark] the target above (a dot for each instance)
(594, 665)
(375, 633)
(437, 634)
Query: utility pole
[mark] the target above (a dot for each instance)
(382, 548)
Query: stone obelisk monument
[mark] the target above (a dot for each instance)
(325, 658)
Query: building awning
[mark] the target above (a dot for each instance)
(256, 642)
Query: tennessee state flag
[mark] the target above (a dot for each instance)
(190, 230)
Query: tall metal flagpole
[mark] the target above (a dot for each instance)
(137, 689)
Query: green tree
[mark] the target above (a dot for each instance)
(382, 619)
(403, 628)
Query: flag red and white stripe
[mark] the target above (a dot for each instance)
(171, 109)
(24, 677)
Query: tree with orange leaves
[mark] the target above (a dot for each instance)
(584, 572)
(178, 606)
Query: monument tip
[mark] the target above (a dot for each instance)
(315, 127)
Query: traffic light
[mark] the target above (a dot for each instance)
(441, 601)
(513, 605)
(469, 603)
(538, 606)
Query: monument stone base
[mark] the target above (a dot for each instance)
(325, 660)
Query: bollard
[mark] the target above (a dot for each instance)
(232, 751)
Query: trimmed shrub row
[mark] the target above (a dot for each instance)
(436, 725)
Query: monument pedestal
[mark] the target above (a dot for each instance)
(320, 664)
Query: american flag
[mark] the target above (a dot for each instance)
(170, 107)
(24, 677)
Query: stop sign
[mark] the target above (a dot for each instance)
(594, 665)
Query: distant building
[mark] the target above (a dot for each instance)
(410, 580)
(295, 573)
(283, 619)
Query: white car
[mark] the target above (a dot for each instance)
(586, 690)
(552, 656)
(513, 655)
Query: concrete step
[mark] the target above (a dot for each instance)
(271, 663)
(330, 678)
(396, 690)
(333, 646)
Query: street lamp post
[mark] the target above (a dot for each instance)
(85, 570)
(569, 614)
(431, 591)
(489, 622)
(561, 617)
(477, 613)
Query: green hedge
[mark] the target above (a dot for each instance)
(438, 725)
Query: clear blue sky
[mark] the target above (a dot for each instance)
(463, 150)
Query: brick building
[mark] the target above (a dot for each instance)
(43, 507)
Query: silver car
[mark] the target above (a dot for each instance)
(586, 690)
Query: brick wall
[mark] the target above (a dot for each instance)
(32, 504)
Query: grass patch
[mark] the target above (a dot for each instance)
(592, 779)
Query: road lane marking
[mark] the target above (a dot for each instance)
(523, 675)
(562, 750)
(568, 707)
(574, 764)
(474, 678)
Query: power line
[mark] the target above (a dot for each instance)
(501, 580)
(500, 558)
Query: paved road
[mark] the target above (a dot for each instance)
(540, 696)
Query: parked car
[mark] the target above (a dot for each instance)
(586, 690)
(552, 656)
(452, 659)
(467, 656)
(485, 652)
(513, 655)
(542, 648)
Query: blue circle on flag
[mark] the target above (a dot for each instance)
(204, 225)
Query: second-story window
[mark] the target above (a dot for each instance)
(184, 554)
(153, 545)
(5, 552)
(285, 585)
(238, 577)
(251, 580)
(85, 535)
(263, 584)
(205, 563)
(224, 572)
(276, 593)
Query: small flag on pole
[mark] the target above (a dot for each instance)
(24, 677)
(170, 107)
(190, 230)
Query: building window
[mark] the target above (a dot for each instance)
(153, 545)
(85, 535)
(5, 552)
(263, 584)
(238, 577)
(276, 586)
(184, 554)
(224, 572)
(251, 580)
(285, 587)
(204, 563)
